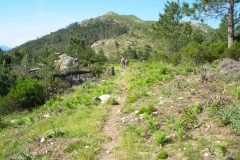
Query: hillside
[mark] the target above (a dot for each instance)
(110, 31)
(154, 110)
(139, 35)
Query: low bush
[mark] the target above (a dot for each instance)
(197, 108)
(234, 51)
(25, 94)
(151, 124)
(28, 92)
(146, 110)
(96, 69)
(160, 137)
(162, 155)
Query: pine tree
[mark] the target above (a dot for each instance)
(77, 46)
(215, 9)
(170, 29)
(46, 56)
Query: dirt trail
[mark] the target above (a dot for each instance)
(111, 127)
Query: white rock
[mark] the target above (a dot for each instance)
(42, 140)
(141, 116)
(108, 151)
(104, 98)
(179, 98)
(155, 113)
(206, 154)
(149, 93)
(46, 115)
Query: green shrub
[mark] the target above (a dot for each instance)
(235, 90)
(234, 51)
(176, 59)
(160, 137)
(57, 132)
(7, 105)
(2, 124)
(224, 117)
(231, 115)
(162, 155)
(96, 69)
(195, 53)
(197, 108)
(146, 110)
(135, 130)
(190, 118)
(180, 133)
(221, 148)
(216, 51)
(69, 104)
(132, 98)
(151, 124)
(28, 93)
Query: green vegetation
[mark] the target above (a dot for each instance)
(146, 110)
(83, 121)
(74, 146)
(162, 155)
(160, 137)
(178, 98)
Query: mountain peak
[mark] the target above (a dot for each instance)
(111, 13)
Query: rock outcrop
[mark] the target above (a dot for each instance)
(65, 63)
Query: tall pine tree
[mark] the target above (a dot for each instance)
(215, 9)
(170, 30)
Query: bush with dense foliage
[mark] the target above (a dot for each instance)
(197, 54)
(234, 51)
(27, 93)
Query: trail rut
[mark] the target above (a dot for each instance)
(111, 127)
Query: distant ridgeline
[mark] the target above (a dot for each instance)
(5, 48)
(91, 30)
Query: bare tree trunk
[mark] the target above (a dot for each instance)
(230, 23)
(45, 80)
(110, 71)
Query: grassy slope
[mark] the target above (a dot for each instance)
(139, 35)
(65, 120)
(167, 108)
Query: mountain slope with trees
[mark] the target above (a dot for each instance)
(178, 99)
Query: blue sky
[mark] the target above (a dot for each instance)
(24, 20)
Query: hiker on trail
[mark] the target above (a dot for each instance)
(126, 63)
(122, 62)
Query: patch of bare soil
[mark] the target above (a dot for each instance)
(111, 127)
(50, 147)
